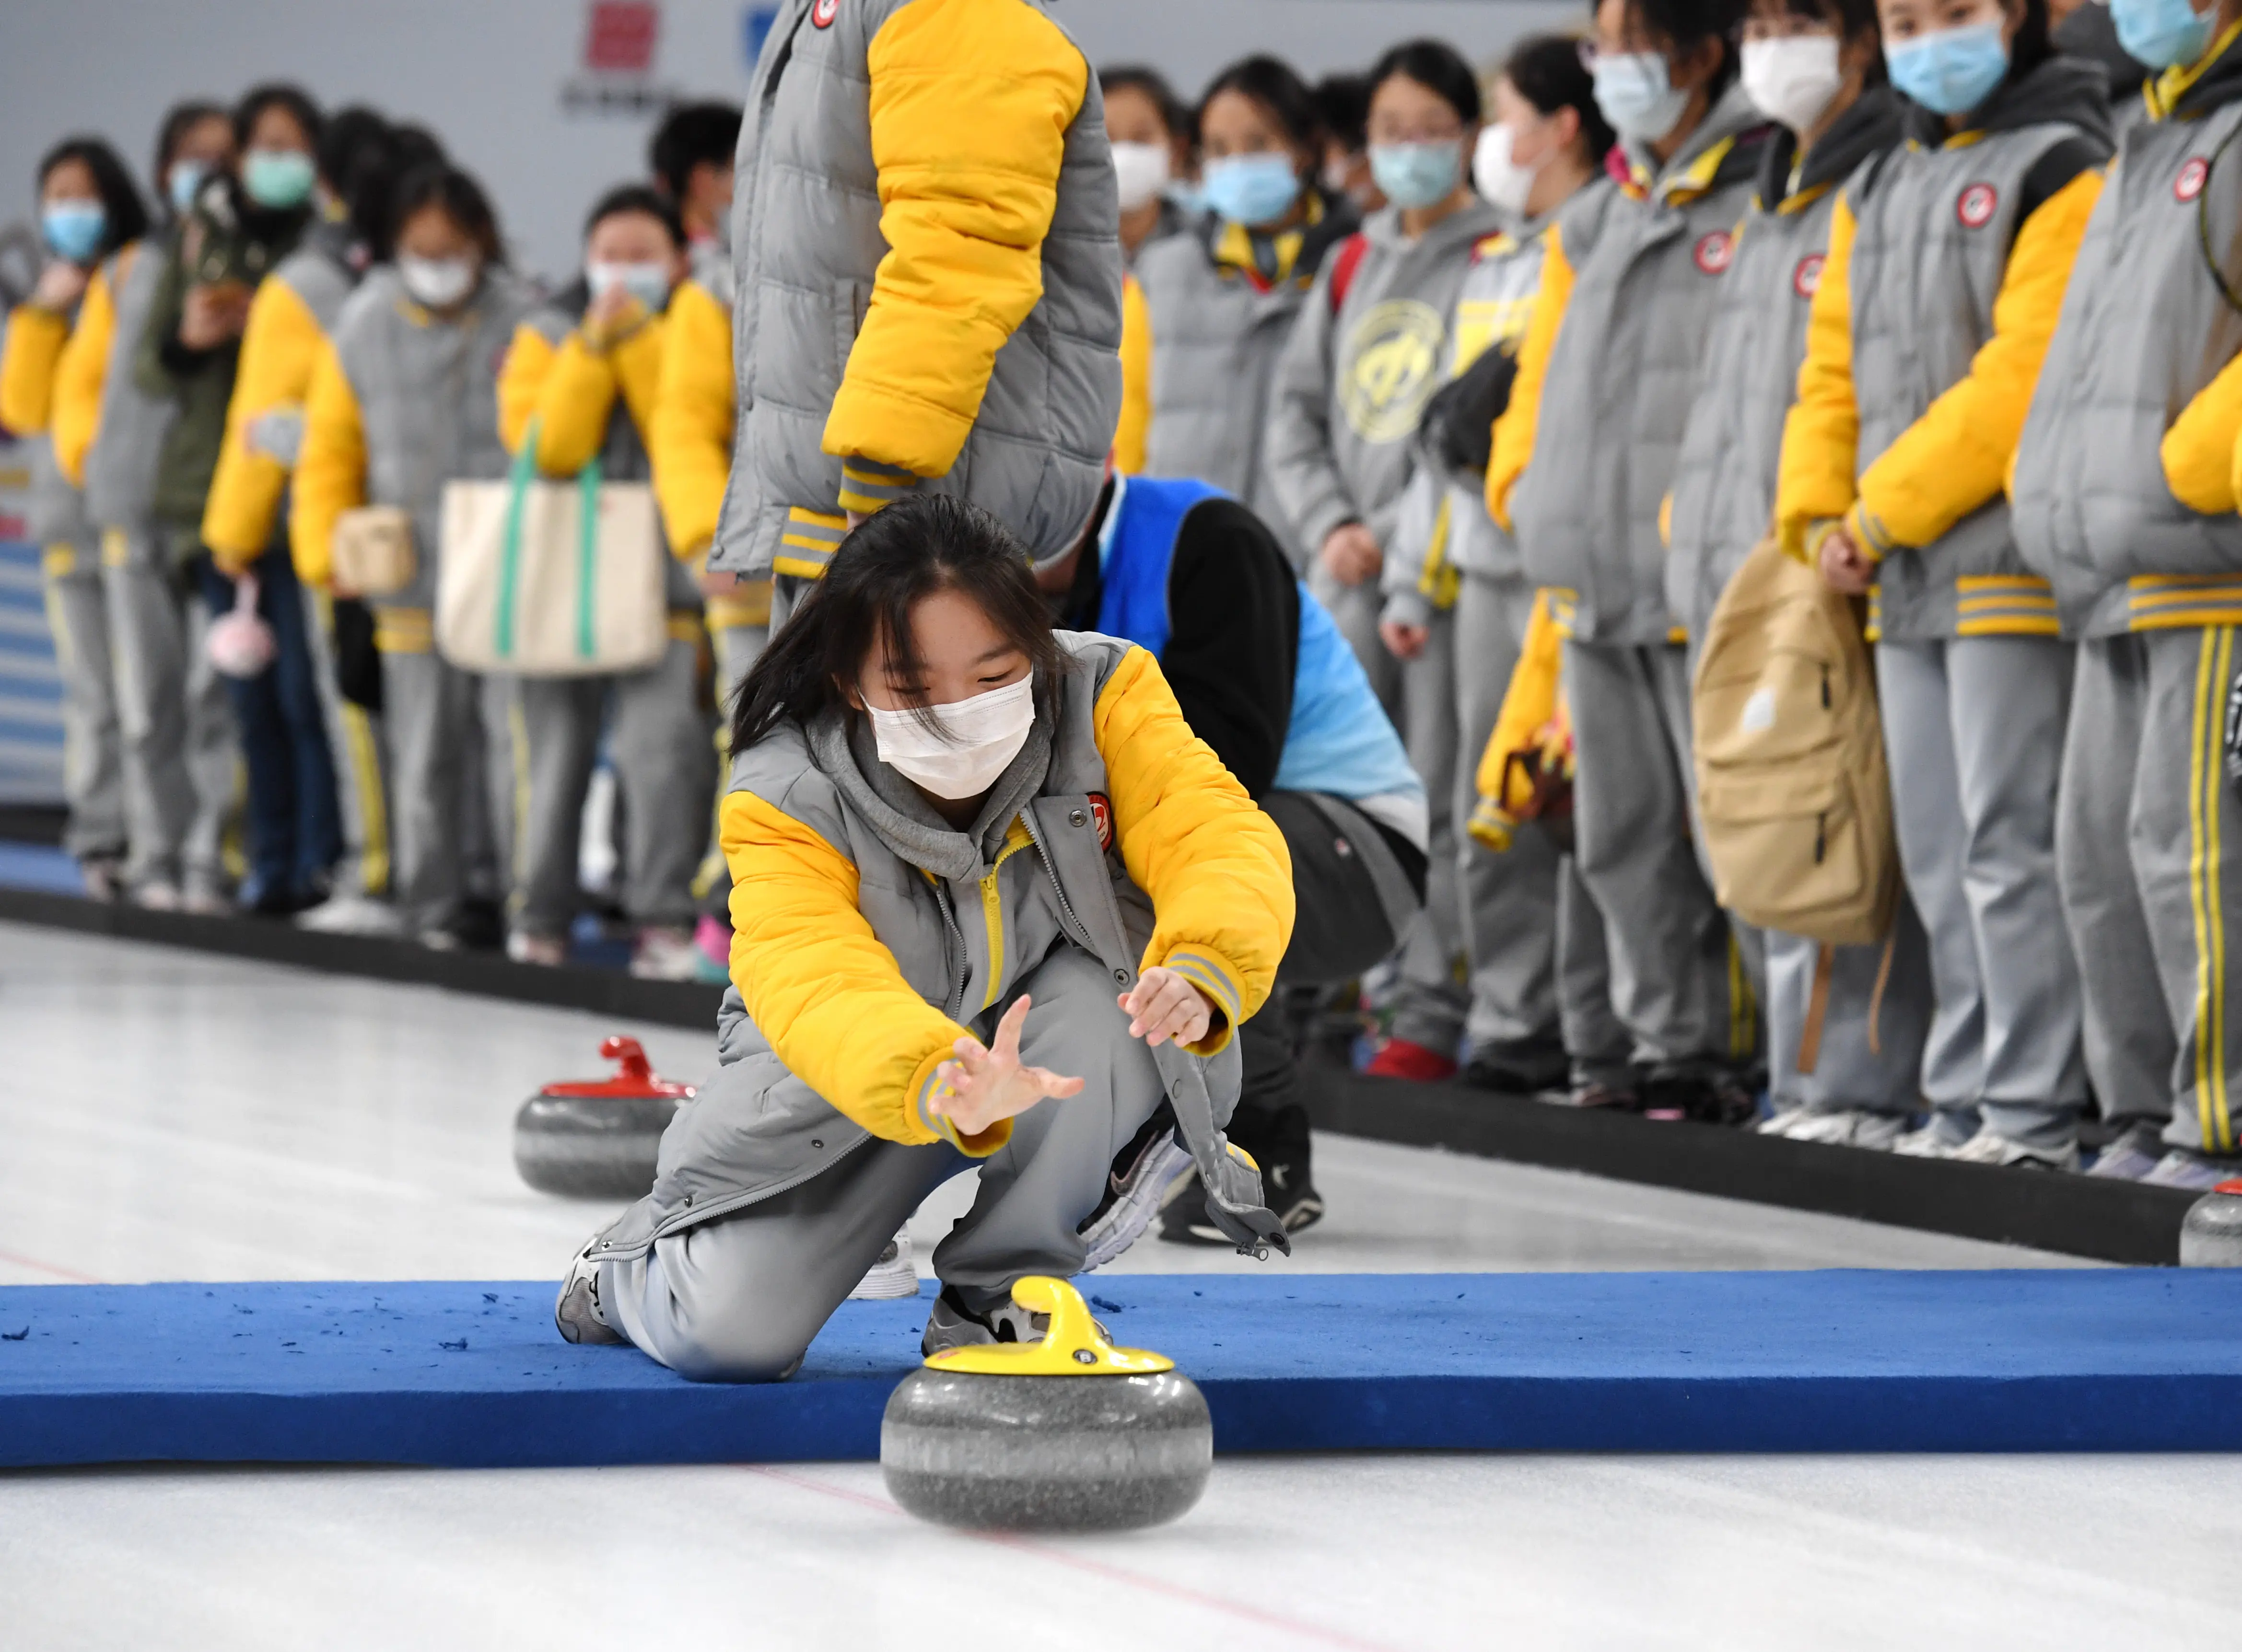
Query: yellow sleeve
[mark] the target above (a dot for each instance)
(280, 344)
(636, 360)
(575, 397)
(81, 373)
(329, 469)
(1216, 867)
(35, 338)
(2199, 450)
(689, 437)
(1130, 436)
(819, 984)
(1821, 433)
(1515, 429)
(1529, 705)
(964, 204)
(521, 378)
(1953, 459)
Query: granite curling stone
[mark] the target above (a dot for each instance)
(598, 1139)
(1067, 1434)
(2211, 1235)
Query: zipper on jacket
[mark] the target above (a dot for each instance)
(1076, 931)
(963, 977)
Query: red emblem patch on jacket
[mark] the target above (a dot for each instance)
(1974, 208)
(822, 14)
(1101, 812)
(1806, 280)
(1715, 251)
(2191, 178)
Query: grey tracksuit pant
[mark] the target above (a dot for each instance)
(1974, 729)
(93, 753)
(738, 1299)
(455, 788)
(1598, 1047)
(182, 762)
(1863, 1064)
(666, 768)
(2149, 841)
(354, 736)
(736, 648)
(1680, 973)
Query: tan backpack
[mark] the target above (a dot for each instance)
(1792, 784)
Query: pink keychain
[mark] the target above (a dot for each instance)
(240, 644)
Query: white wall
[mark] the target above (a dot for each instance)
(487, 74)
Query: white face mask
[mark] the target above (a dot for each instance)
(1141, 171)
(1793, 79)
(437, 283)
(971, 743)
(1500, 180)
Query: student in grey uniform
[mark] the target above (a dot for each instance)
(2132, 514)
(1816, 67)
(1150, 129)
(405, 401)
(1946, 267)
(1579, 473)
(1003, 905)
(1457, 602)
(1366, 353)
(580, 381)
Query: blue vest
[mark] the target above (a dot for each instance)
(1339, 740)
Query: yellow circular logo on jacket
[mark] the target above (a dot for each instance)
(1393, 365)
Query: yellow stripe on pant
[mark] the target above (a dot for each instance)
(2214, 663)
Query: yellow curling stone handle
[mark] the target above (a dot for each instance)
(1070, 1347)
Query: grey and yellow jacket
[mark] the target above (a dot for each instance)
(1444, 531)
(1723, 499)
(401, 403)
(37, 340)
(114, 448)
(870, 936)
(2146, 327)
(1355, 376)
(1946, 270)
(927, 261)
(1585, 452)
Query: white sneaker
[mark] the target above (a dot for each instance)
(546, 950)
(158, 895)
(1932, 1141)
(664, 954)
(1851, 1127)
(1779, 1123)
(1134, 1194)
(439, 940)
(350, 915)
(892, 1276)
(1988, 1148)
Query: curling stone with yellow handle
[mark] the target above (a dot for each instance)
(1066, 1434)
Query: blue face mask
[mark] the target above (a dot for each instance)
(1250, 189)
(187, 183)
(647, 283)
(2163, 34)
(278, 178)
(1416, 175)
(73, 229)
(1636, 95)
(1952, 71)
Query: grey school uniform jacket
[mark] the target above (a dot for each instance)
(1648, 260)
(2148, 321)
(120, 466)
(1722, 503)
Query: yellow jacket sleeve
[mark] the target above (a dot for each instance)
(1130, 436)
(820, 986)
(521, 378)
(964, 206)
(2202, 461)
(636, 360)
(1954, 459)
(35, 338)
(82, 371)
(1514, 430)
(1821, 433)
(1529, 705)
(330, 470)
(689, 436)
(1216, 867)
(280, 345)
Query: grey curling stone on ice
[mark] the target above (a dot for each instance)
(1067, 1434)
(598, 1139)
(2211, 1235)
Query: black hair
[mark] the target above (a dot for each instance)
(1270, 83)
(125, 214)
(1175, 114)
(1850, 17)
(2033, 45)
(1438, 67)
(637, 197)
(1547, 72)
(280, 95)
(179, 120)
(357, 159)
(920, 545)
(1343, 106)
(1686, 24)
(691, 135)
(456, 194)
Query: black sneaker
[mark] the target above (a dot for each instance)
(1701, 1093)
(1519, 1067)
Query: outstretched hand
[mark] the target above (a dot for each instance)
(1164, 1005)
(988, 1084)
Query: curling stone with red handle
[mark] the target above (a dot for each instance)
(2211, 1235)
(598, 1139)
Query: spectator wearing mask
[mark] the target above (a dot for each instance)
(1816, 67)
(1343, 115)
(1370, 348)
(928, 277)
(1151, 131)
(580, 381)
(404, 400)
(690, 158)
(89, 210)
(2129, 511)
(1208, 314)
(1946, 271)
(1457, 602)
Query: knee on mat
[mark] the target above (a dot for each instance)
(738, 1352)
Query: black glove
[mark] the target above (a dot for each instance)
(357, 663)
(1458, 426)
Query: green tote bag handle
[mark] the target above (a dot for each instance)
(523, 477)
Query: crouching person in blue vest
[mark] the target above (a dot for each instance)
(1264, 677)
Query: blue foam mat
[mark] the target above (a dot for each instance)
(473, 1374)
